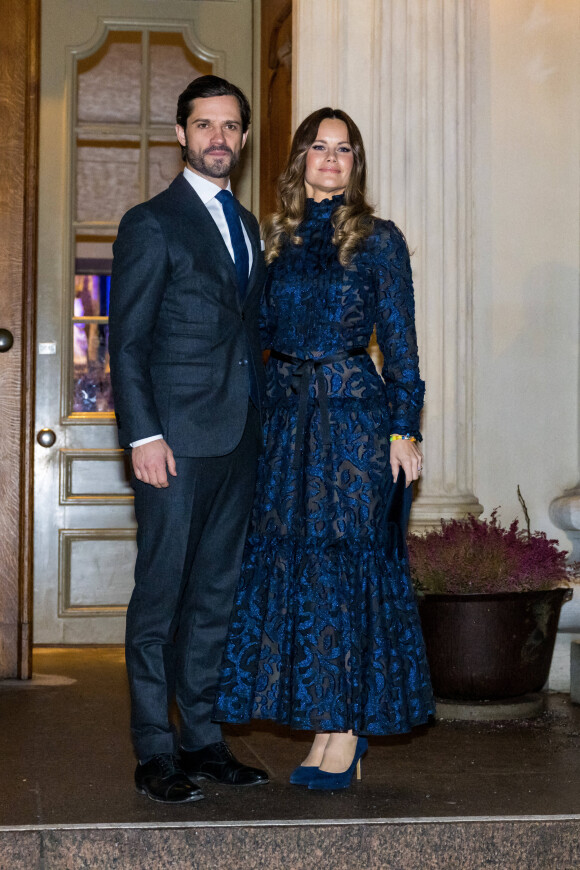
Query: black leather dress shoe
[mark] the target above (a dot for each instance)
(162, 779)
(217, 762)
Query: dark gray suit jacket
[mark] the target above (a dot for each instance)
(181, 344)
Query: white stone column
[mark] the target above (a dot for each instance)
(565, 514)
(401, 69)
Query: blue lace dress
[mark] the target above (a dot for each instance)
(325, 634)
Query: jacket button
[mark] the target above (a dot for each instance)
(243, 315)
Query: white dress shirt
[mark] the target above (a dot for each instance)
(207, 191)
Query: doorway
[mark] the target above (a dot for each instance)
(111, 71)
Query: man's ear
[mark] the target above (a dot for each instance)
(244, 137)
(180, 133)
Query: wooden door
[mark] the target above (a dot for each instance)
(111, 71)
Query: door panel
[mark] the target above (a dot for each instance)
(111, 72)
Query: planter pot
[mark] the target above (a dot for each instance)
(487, 647)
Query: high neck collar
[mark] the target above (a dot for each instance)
(323, 209)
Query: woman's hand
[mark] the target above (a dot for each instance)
(406, 455)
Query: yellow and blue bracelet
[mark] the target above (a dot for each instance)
(407, 437)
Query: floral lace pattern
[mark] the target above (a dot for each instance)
(325, 633)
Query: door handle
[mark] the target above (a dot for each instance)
(46, 437)
(6, 340)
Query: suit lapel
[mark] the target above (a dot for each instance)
(192, 206)
(256, 254)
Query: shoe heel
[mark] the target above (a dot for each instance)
(359, 770)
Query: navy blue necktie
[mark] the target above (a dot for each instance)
(238, 241)
(242, 262)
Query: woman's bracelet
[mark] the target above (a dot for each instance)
(406, 437)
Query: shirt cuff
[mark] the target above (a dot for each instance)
(145, 440)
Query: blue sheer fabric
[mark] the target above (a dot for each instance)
(324, 633)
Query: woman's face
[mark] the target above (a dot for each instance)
(329, 161)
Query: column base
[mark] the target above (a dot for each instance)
(524, 707)
(428, 510)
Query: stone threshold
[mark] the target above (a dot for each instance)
(289, 823)
(455, 843)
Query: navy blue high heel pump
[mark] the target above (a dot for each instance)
(302, 774)
(322, 780)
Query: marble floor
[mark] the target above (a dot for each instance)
(67, 764)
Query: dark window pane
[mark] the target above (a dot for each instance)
(92, 295)
(92, 376)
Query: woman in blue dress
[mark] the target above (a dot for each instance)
(325, 634)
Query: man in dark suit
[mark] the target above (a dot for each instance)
(187, 377)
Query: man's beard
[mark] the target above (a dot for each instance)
(219, 167)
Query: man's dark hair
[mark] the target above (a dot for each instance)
(211, 86)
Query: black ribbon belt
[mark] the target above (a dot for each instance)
(301, 377)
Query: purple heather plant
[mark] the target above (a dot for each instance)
(472, 555)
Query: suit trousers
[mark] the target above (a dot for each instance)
(190, 539)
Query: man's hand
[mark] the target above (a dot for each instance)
(152, 461)
(406, 455)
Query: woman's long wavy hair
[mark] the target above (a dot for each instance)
(353, 221)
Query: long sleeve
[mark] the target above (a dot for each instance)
(139, 277)
(396, 333)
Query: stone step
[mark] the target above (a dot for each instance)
(510, 843)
